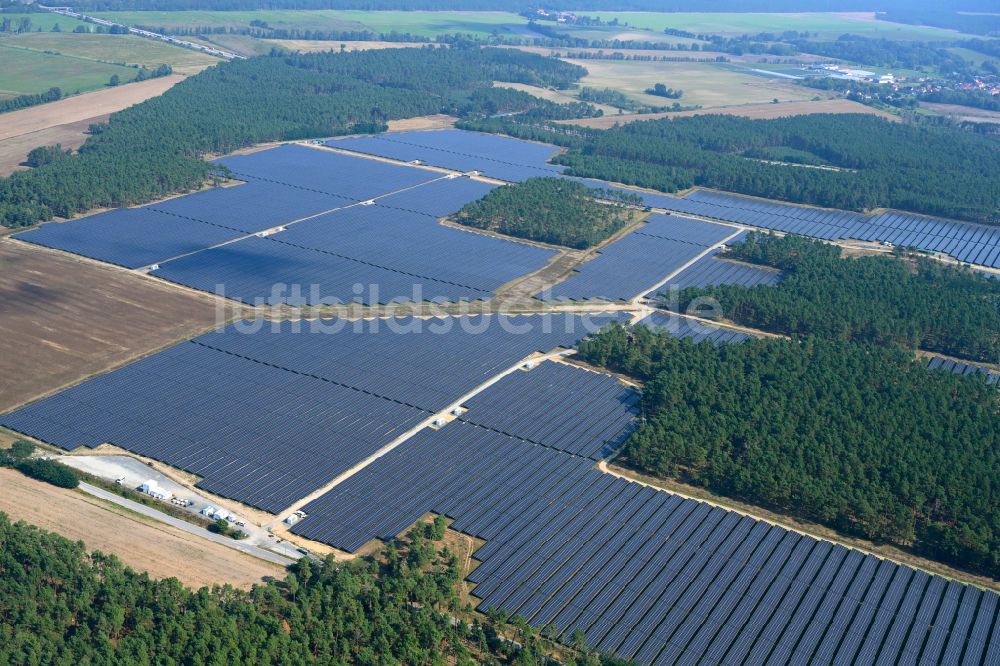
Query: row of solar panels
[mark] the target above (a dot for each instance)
(960, 368)
(646, 574)
(498, 157)
(268, 416)
(711, 271)
(692, 329)
(964, 241)
(559, 406)
(697, 331)
(633, 264)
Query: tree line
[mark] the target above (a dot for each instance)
(938, 170)
(62, 604)
(23, 101)
(551, 210)
(916, 304)
(20, 456)
(155, 148)
(862, 438)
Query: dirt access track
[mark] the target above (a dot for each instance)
(63, 319)
(139, 542)
(66, 121)
(755, 111)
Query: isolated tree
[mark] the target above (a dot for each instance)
(45, 154)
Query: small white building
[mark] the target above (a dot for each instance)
(216, 514)
(154, 489)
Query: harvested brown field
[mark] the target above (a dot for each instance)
(82, 107)
(139, 542)
(66, 121)
(64, 318)
(757, 111)
(437, 121)
(14, 151)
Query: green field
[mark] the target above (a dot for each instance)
(425, 24)
(704, 84)
(829, 26)
(113, 49)
(25, 72)
(44, 21)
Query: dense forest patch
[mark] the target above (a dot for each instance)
(862, 438)
(551, 210)
(63, 605)
(877, 299)
(155, 148)
(934, 170)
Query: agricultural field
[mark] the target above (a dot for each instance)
(66, 121)
(45, 21)
(963, 113)
(63, 319)
(424, 24)
(113, 49)
(704, 84)
(759, 111)
(825, 25)
(27, 71)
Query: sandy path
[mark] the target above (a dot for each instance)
(141, 543)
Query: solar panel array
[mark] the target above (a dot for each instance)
(802, 220)
(972, 243)
(693, 329)
(560, 406)
(965, 241)
(269, 416)
(327, 172)
(252, 206)
(493, 462)
(285, 184)
(499, 157)
(129, 237)
(370, 254)
(960, 368)
(438, 198)
(647, 574)
(710, 271)
(634, 263)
